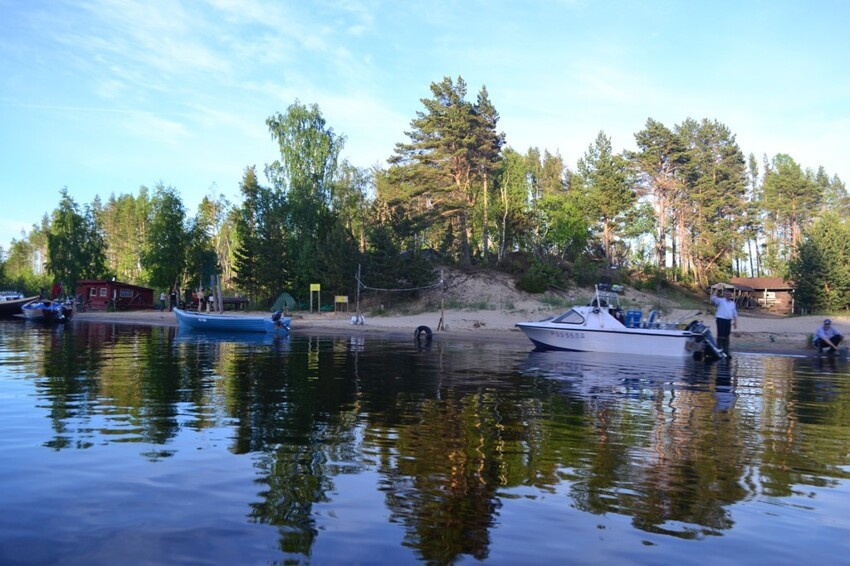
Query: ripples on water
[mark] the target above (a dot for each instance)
(138, 444)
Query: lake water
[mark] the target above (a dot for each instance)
(138, 445)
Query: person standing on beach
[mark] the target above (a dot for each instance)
(827, 336)
(162, 301)
(173, 299)
(727, 317)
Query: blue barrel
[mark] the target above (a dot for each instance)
(633, 318)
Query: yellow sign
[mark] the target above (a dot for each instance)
(315, 287)
(341, 298)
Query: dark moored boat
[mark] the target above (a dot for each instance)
(11, 303)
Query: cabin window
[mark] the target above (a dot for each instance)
(125, 293)
(103, 291)
(570, 317)
(93, 292)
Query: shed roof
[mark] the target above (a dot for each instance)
(763, 282)
(736, 286)
(89, 282)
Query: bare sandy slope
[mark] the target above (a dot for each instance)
(754, 333)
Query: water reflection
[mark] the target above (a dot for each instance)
(446, 436)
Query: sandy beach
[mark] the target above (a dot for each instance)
(755, 332)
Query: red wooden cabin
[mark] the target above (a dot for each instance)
(100, 294)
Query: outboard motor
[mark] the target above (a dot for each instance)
(703, 337)
(277, 317)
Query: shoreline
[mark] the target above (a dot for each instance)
(755, 334)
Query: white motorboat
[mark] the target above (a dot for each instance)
(603, 326)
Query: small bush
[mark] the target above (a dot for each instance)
(538, 277)
(586, 271)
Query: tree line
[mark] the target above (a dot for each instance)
(686, 205)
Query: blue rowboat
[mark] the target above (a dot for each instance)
(232, 322)
(42, 310)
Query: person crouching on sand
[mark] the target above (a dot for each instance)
(827, 336)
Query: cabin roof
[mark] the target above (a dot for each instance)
(109, 282)
(763, 282)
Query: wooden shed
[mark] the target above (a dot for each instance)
(101, 294)
(770, 293)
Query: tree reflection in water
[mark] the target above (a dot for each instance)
(455, 432)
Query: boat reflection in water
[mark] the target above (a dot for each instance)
(190, 336)
(589, 375)
(592, 373)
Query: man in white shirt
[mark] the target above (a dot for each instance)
(727, 317)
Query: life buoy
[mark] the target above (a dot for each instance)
(422, 331)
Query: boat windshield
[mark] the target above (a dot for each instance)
(570, 317)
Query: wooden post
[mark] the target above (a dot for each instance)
(441, 325)
(219, 297)
(357, 295)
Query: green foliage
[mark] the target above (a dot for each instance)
(337, 257)
(586, 271)
(790, 196)
(658, 162)
(821, 267)
(609, 190)
(201, 258)
(453, 149)
(124, 219)
(22, 271)
(317, 245)
(262, 261)
(216, 235)
(517, 228)
(539, 276)
(75, 245)
(566, 223)
(164, 255)
(454, 187)
(712, 200)
(385, 266)
(649, 277)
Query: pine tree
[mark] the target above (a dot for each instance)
(75, 244)
(439, 163)
(609, 187)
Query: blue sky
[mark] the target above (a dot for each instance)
(105, 96)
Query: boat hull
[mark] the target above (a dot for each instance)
(47, 311)
(548, 336)
(14, 306)
(230, 323)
